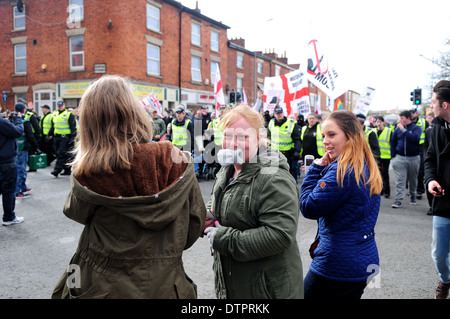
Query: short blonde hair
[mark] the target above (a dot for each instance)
(256, 120)
(112, 120)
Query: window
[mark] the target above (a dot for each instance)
(195, 33)
(76, 53)
(19, 19)
(239, 85)
(21, 98)
(215, 41)
(153, 17)
(76, 11)
(259, 67)
(214, 66)
(20, 58)
(196, 71)
(153, 59)
(277, 70)
(240, 61)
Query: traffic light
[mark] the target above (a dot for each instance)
(235, 97)
(416, 96)
(232, 97)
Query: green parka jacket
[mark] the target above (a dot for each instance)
(256, 244)
(131, 247)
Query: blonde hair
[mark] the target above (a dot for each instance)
(112, 120)
(256, 120)
(355, 152)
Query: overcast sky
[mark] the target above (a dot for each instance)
(370, 43)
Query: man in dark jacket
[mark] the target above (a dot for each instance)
(405, 153)
(437, 180)
(8, 172)
(26, 145)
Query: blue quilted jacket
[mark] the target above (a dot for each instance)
(345, 247)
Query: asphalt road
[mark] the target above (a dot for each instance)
(34, 254)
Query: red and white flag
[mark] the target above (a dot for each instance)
(218, 90)
(291, 90)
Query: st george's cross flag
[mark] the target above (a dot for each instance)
(291, 90)
(218, 90)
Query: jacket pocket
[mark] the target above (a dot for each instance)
(259, 286)
(85, 281)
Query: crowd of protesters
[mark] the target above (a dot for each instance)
(137, 196)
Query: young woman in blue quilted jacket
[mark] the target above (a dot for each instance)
(342, 191)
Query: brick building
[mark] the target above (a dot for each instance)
(53, 49)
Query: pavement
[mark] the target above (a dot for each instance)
(34, 254)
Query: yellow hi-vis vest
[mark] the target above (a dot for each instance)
(218, 131)
(28, 115)
(384, 140)
(281, 136)
(46, 123)
(319, 139)
(180, 134)
(61, 123)
(422, 125)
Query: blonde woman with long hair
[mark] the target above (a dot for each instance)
(139, 201)
(342, 191)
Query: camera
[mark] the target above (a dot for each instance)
(12, 115)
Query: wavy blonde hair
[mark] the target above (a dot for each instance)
(356, 152)
(112, 120)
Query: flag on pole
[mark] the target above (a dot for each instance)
(218, 90)
(321, 73)
(291, 90)
(244, 97)
(338, 105)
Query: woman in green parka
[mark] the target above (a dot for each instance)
(253, 213)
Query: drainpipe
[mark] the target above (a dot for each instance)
(179, 52)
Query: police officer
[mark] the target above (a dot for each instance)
(213, 148)
(45, 122)
(285, 137)
(423, 124)
(182, 131)
(371, 136)
(311, 137)
(63, 133)
(384, 133)
(35, 128)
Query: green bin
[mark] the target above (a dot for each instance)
(37, 161)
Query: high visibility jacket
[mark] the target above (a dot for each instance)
(46, 123)
(384, 140)
(180, 136)
(319, 139)
(61, 123)
(367, 132)
(218, 131)
(281, 136)
(28, 115)
(421, 123)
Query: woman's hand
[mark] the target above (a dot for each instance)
(324, 161)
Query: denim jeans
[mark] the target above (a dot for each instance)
(8, 179)
(406, 169)
(21, 164)
(440, 247)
